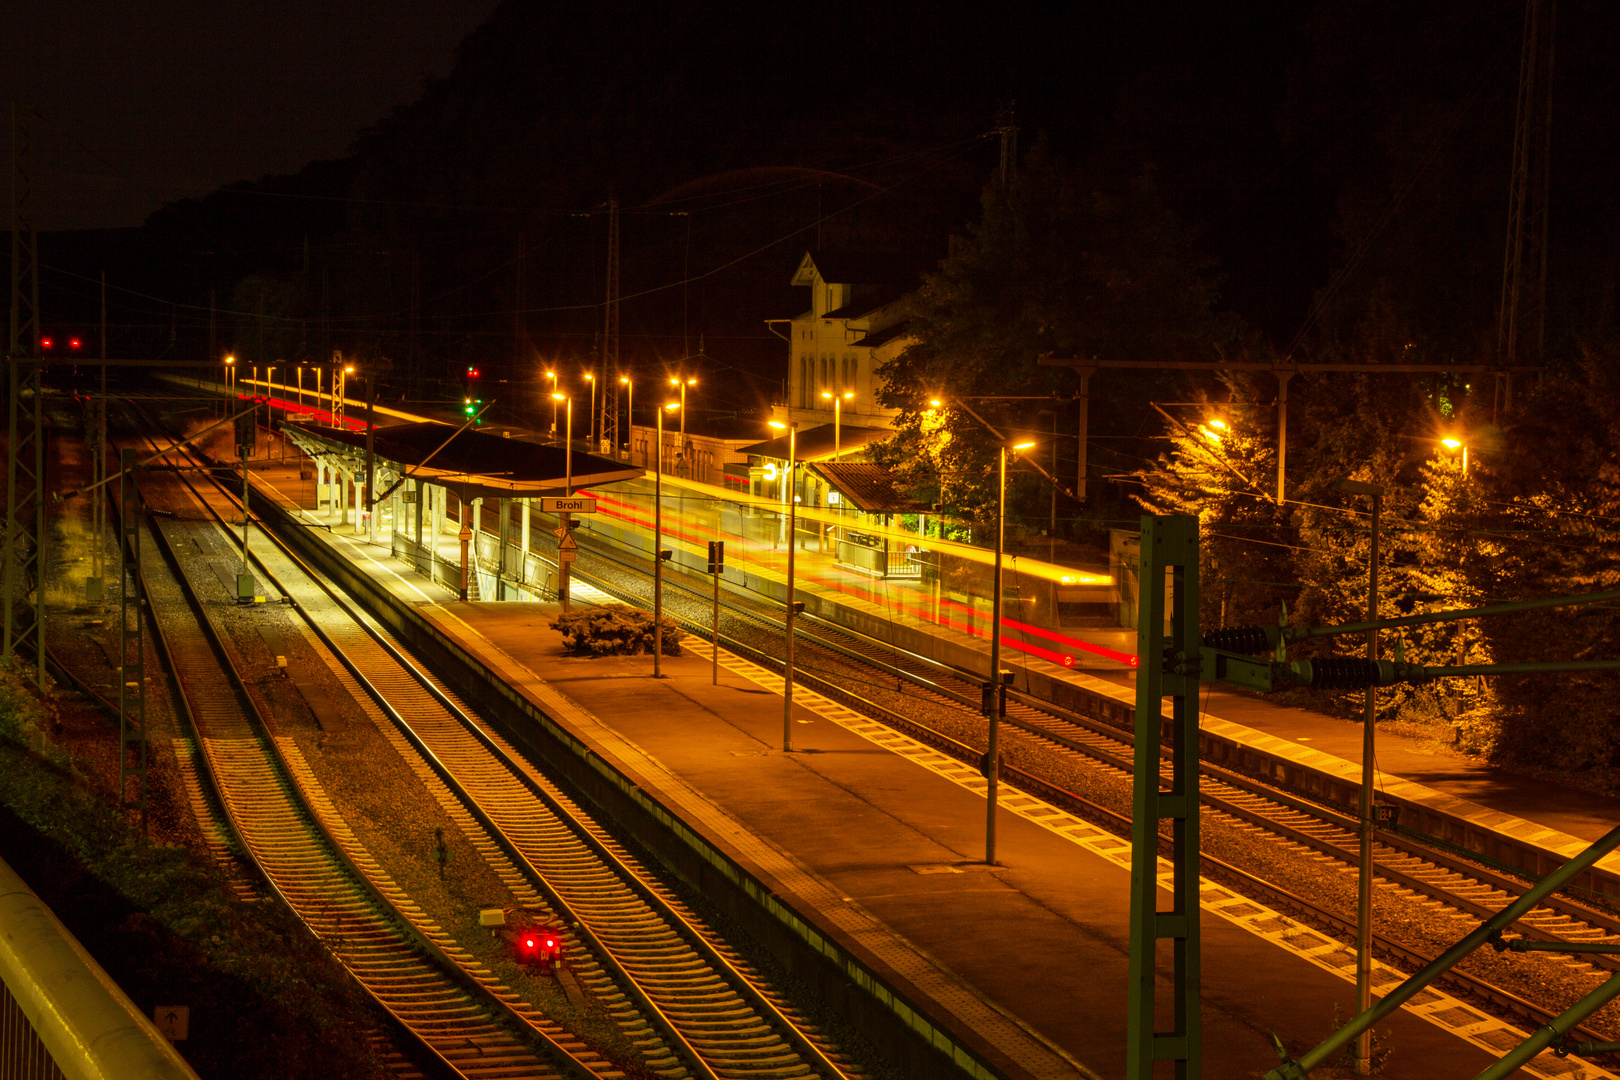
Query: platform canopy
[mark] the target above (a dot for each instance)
(867, 487)
(475, 464)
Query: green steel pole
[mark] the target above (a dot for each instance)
(1527, 668)
(1295, 633)
(1520, 1055)
(1166, 668)
(1297, 1070)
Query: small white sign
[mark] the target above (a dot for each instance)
(569, 504)
(173, 1021)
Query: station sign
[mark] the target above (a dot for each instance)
(567, 504)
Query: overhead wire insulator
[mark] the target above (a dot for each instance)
(1239, 639)
(1343, 673)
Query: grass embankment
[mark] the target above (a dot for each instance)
(266, 999)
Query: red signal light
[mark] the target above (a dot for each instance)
(530, 943)
(549, 943)
(73, 343)
(46, 343)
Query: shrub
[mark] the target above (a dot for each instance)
(614, 630)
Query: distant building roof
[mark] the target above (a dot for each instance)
(866, 299)
(867, 486)
(848, 266)
(884, 336)
(816, 443)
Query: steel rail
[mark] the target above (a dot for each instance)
(799, 1040)
(1124, 739)
(1245, 882)
(214, 770)
(412, 937)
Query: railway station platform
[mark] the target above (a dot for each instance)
(878, 841)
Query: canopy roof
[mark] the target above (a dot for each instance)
(867, 486)
(475, 463)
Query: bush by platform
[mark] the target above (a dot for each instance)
(614, 630)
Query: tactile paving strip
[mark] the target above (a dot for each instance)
(1435, 1006)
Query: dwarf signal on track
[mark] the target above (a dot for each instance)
(538, 946)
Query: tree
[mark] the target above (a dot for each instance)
(1218, 469)
(1056, 267)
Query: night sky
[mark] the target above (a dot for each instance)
(146, 103)
(1362, 149)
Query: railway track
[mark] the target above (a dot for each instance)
(1407, 871)
(633, 942)
(311, 860)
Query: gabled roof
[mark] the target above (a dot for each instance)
(867, 486)
(844, 266)
(884, 336)
(866, 299)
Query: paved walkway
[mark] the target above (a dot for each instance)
(879, 838)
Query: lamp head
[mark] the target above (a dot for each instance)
(1219, 425)
(559, 397)
(230, 359)
(589, 377)
(672, 406)
(349, 370)
(551, 374)
(1022, 446)
(848, 394)
(1451, 444)
(934, 403)
(625, 379)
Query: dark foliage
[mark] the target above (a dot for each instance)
(614, 630)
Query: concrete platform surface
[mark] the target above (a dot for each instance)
(869, 832)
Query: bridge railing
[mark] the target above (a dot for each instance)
(61, 1016)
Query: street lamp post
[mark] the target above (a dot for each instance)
(1363, 1050)
(658, 545)
(838, 401)
(552, 375)
(792, 608)
(563, 532)
(683, 384)
(590, 426)
(230, 372)
(996, 706)
(629, 417)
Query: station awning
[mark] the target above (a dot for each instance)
(867, 487)
(475, 464)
